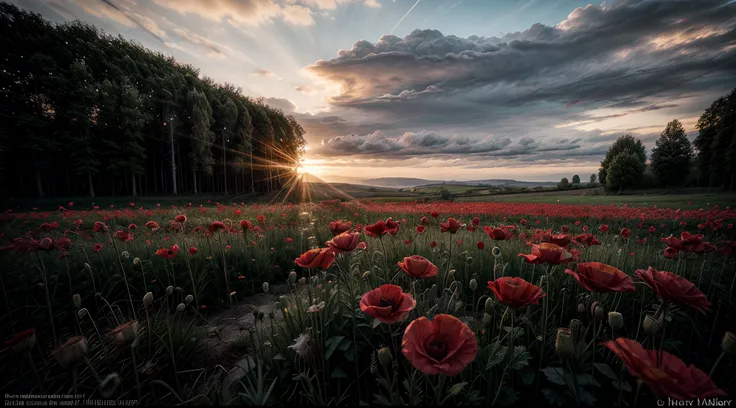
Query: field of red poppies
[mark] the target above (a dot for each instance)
(381, 304)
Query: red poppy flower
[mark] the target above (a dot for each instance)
(670, 253)
(665, 374)
(435, 214)
(418, 267)
(361, 245)
(674, 288)
(46, 244)
(392, 226)
(432, 244)
(21, 337)
(550, 254)
(451, 226)
(192, 250)
(238, 212)
(420, 229)
(97, 247)
(558, 239)
(320, 258)
(445, 345)
(288, 240)
(407, 242)
(516, 292)
(216, 226)
(152, 225)
(498, 234)
(261, 218)
(123, 235)
(376, 230)
(625, 232)
(388, 303)
(168, 253)
(599, 277)
(481, 245)
(475, 221)
(245, 225)
(523, 222)
(99, 227)
(78, 222)
(345, 242)
(338, 227)
(603, 228)
(586, 239)
(62, 243)
(423, 220)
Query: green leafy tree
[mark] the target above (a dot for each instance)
(672, 155)
(576, 179)
(563, 184)
(624, 143)
(593, 178)
(716, 149)
(202, 137)
(626, 170)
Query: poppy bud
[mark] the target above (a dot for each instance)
(136, 261)
(366, 274)
(125, 254)
(652, 325)
(148, 298)
(496, 252)
(451, 275)
(188, 299)
(597, 311)
(489, 305)
(77, 300)
(564, 344)
(87, 267)
(576, 328)
(265, 287)
(169, 290)
(292, 276)
(473, 284)
(581, 308)
(469, 260)
(385, 357)
(109, 385)
(459, 307)
(728, 344)
(486, 319)
(181, 307)
(303, 280)
(615, 320)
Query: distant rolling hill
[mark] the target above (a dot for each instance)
(404, 182)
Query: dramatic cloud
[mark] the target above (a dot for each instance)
(263, 73)
(547, 93)
(194, 38)
(284, 104)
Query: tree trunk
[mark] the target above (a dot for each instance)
(91, 186)
(39, 185)
(132, 181)
(173, 157)
(252, 180)
(194, 178)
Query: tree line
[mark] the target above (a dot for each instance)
(86, 113)
(709, 161)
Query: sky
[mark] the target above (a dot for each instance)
(448, 89)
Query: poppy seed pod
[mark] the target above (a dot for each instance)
(597, 311)
(188, 299)
(385, 357)
(148, 298)
(651, 325)
(265, 287)
(615, 320)
(72, 351)
(181, 307)
(109, 385)
(292, 276)
(169, 290)
(489, 305)
(728, 344)
(581, 308)
(77, 300)
(486, 319)
(473, 285)
(564, 344)
(459, 306)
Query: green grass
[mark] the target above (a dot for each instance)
(660, 200)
